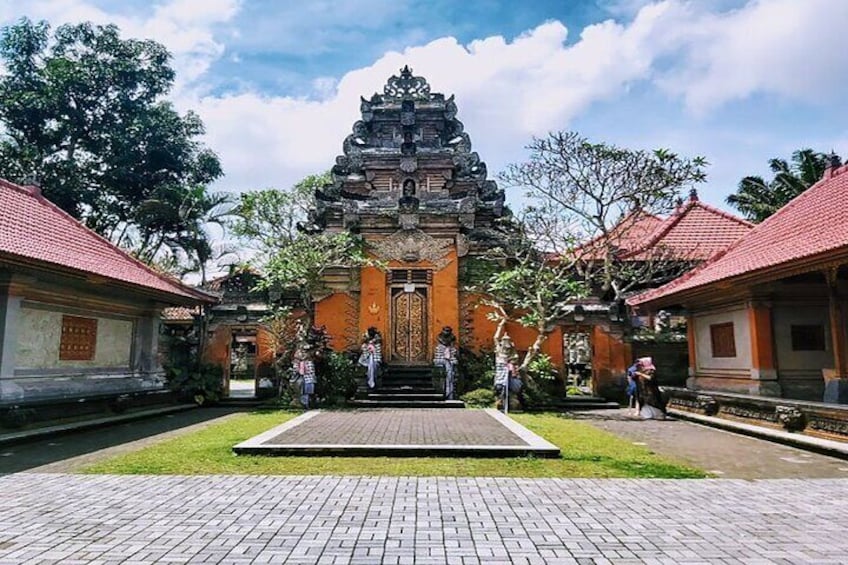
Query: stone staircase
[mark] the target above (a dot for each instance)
(404, 386)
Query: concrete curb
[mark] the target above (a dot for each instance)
(818, 445)
(36, 433)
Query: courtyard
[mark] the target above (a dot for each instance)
(765, 503)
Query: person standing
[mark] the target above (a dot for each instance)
(447, 356)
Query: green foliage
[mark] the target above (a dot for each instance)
(479, 398)
(541, 368)
(337, 381)
(582, 198)
(291, 258)
(535, 395)
(83, 113)
(201, 383)
(758, 199)
(476, 369)
(301, 263)
(268, 219)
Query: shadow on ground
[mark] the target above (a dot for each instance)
(64, 452)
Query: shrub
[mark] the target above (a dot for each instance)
(541, 368)
(202, 383)
(479, 398)
(337, 379)
(476, 370)
(17, 417)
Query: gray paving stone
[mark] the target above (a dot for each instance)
(111, 519)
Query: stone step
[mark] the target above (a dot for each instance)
(405, 396)
(404, 390)
(406, 404)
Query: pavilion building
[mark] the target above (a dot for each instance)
(79, 317)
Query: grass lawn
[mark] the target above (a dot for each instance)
(586, 452)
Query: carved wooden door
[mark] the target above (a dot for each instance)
(409, 326)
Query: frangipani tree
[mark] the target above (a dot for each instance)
(597, 194)
(534, 288)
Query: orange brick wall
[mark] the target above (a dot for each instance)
(445, 300)
(373, 297)
(610, 358)
(331, 312)
(483, 330)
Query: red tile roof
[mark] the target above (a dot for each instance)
(811, 227)
(37, 231)
(696, 231)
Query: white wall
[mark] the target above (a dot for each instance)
(39, 335)
(719, 366)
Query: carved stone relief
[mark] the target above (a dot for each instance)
(413, 245)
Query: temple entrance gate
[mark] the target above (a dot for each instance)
(409, 299)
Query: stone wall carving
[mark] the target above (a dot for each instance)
(790, 417)
(410, 246)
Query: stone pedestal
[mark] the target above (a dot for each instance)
(835, 387)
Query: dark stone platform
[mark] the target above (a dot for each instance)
(427, 432)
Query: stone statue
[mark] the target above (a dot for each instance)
(447, 357)
(408, 202)
(371, 354)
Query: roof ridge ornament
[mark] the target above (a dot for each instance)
(406, 86)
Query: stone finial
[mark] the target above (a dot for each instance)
(831, 163)
(31, 183)
(693, 195)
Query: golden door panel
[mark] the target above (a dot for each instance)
(409, 326)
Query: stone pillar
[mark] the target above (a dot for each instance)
(10, 313)
(10, 310)
(692, 347)
(836, 379)
(146, 347)
(763, 368)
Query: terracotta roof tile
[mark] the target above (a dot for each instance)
(697, 231)
(34, 229)
(812, 224)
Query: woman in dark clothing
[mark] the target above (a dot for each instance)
(648, 396)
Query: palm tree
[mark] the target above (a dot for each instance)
(758, 199)
(174, 227)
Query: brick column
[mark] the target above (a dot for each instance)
(763, 367)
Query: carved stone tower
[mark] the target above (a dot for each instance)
(410, 184)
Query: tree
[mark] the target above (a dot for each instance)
(83, 113)
(177, 220)
(292, 259)
(531, 287)
(267, 219)
(757, 199)
(586, 201)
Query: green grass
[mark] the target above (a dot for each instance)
(586, 452)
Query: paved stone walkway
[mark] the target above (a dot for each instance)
(407, 426)
(107, 519)
(722, 453)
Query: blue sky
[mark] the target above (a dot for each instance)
(278, 82)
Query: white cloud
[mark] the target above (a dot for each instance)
(784, 47)
(185, 27)
(703, 54)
